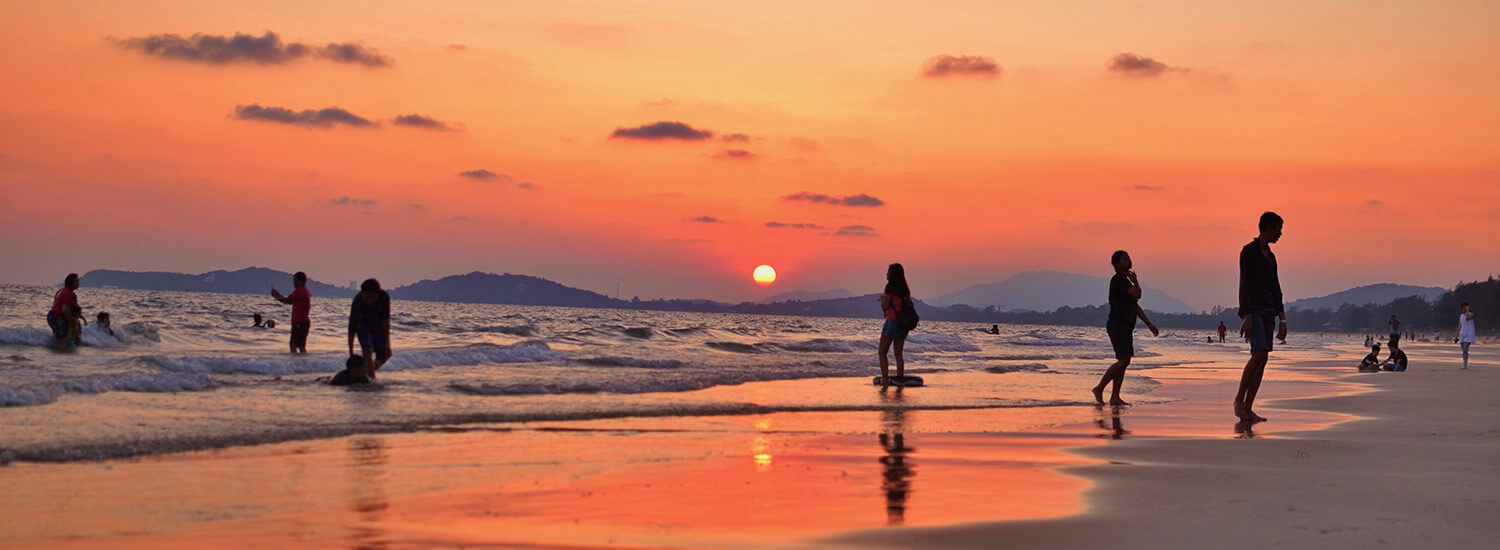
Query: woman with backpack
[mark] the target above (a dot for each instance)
(895, 302)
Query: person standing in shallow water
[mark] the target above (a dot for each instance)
(301, 302)
(1124, 307)
(897, 294)
(1261, 312)
(60, 318)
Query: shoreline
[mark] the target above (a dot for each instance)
(785, 479)
(1410, 465)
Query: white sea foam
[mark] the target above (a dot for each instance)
(26, 336)
(19, 396)
(162, 382)
(632, 362)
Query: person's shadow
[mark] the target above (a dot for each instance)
(1244, 429)
(897, 472)
(1115, 428)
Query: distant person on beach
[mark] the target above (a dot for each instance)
(1371, 362)
(896, 296)
(1223, 330)
(1466, 333)
(301, 301)
(994, 329)
(1124, 307)
(102, 321)
(1260, 310)
(57, 317)
(1395, 329)
(370, 322)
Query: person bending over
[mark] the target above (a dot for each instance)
(370, 322)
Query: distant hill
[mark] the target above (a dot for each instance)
(808, 296)
(489, 288)
(1369, 294)
(251, 280)
(1049, 290)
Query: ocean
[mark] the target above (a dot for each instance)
(188, 371)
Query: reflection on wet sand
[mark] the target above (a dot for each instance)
(1115, 428)
(1244, 429)
(896, 481)
(367, 499)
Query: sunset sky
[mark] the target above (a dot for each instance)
(669, 147)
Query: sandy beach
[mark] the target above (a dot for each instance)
(1346, 460)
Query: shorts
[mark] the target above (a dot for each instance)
(59, 325)
(299, 335)
(1122, 337)
(374, 339)
(891, 329)
(1262, 331)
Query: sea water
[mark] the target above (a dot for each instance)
(186, 371)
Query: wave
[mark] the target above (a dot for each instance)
(475, 354)
(927, 342)
(1027, 367)
(738, 347)
(607, 361)
(1046, 339)
(146, 382)
(26, 336)
(521, 330)
(824, 345)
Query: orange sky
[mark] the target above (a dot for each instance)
(1372, 127)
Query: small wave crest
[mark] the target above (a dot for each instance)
(514, 330)
(1045, 339)
(935, 342)
(820, 345)
(1027, 367)
(146, 382)
(608, 361)
(25, 336)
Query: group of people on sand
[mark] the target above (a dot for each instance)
(369, 323)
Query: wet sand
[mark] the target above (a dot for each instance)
(1396, 457)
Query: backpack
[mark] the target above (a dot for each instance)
(907, 318)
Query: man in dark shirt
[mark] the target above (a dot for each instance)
(370, 321)
(1124, 307)
(1261, 311)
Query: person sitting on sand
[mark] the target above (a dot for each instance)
(57, 317)
(102, 321)
(370, 322)
(1397, 360)
(1371, 362)
(1124, 307)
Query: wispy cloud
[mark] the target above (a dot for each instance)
(485, 175)
(860, 200)
(351, 201)
(1149, 188)
(1139, 66)
(1374, 202)
(267, 49)
(735, 154)
(423, 122)
(705, 219)
(322, 118)
(778, 225)
(663, 130)
(735, 137)
(856, 231)
(961, 65)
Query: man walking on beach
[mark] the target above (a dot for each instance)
(1261, 311)
(301, 301)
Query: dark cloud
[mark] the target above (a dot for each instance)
(324, 118)
(663, 130)
(856, 231)
(860, 200)
(963, 65)
(1130, 64)
(735, 154)
(486, 175)
(267, 49)
(351, 201)
(423, 122)
(795, 225)
(706, 219)
(735, 137)
(1152, 188)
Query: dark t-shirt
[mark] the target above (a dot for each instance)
(1122, 306)
(1260, 288)
(370, 316)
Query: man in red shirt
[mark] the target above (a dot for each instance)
(301, 301)
(63, 315)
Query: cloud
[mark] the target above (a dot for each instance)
(1130, 64)
(735, 137)
(351, 201)
(856, 231)
(267, 49)
(457, 48)
(663, 130)
(705, 219)
(941, 66)
(482, 174)
(860, 200)
(735, 154)
(1374, 202)
(1150, 188)
(414, 207)
(775, 225)
(324, 118)
(423, 122)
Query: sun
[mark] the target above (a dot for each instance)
(764, 275)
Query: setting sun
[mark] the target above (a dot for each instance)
(764, 275)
